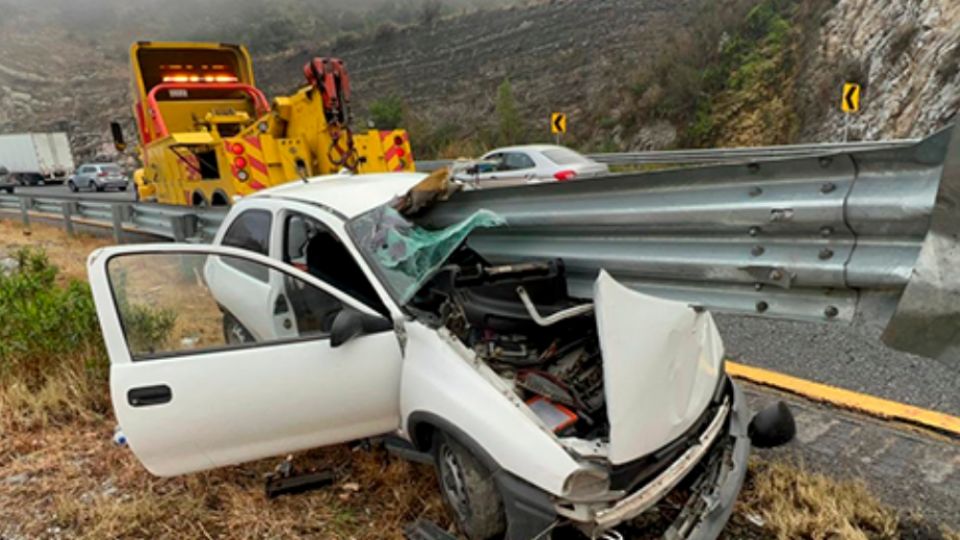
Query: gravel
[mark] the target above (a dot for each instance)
(854, 359)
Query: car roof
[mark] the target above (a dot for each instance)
(350, 195)
(529, 148)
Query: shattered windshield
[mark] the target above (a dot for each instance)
(406, 255)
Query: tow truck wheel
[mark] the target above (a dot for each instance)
(468, 489)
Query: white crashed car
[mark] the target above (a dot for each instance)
(322, 315)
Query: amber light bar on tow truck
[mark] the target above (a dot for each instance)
(194, 78)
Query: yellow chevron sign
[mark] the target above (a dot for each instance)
(558, 123)
(851, 98)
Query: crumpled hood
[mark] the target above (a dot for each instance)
(662, 361)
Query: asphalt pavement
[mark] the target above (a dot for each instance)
(61, 190)
(838, 355)
(907, 469)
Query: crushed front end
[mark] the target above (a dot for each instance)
(630, 386)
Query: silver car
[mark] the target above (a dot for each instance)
(529, 164)
(98, 177)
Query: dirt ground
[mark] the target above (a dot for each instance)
(69, 254)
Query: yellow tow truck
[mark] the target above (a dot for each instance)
(208, 135)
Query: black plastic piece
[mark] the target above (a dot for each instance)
(773, 426)
(298, 483)
(423, 529)
(146, 396)
(404, 449)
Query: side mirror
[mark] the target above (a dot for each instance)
(350, 324)
(117, 131)
(473, 169)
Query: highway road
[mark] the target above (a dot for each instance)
(838, 355)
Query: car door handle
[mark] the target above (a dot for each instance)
(146, 396)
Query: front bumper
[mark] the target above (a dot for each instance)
(719, 458)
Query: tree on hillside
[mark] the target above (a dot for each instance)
(430, 12)
(508, 118)
(387, 113)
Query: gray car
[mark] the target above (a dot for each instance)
(98, 177)
(529, 164)
(7, 181)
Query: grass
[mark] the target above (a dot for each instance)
(61, 475)
(795, 503)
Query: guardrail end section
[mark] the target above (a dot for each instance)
(927, 318)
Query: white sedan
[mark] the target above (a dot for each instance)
(322, 314)
(529, 164)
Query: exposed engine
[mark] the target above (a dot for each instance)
(521, 321)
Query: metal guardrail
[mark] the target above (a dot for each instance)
(719, 155)
(182, 224)
(747, 154)
(828, 238)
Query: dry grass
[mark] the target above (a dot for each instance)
(68, 254)
(796, 503)
(72, 481)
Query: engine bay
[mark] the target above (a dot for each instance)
(520, 320)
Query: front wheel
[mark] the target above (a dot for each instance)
(469, 490)
(122, 188)
(73, 187)
(97, 186)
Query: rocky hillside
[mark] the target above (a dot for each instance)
(631, 74)
(907, 56)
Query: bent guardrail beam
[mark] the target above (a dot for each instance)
(927, 317)
(831, 238)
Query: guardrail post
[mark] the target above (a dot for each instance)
(25, 204)
(68, 211)
(183, 227)
(116, 214)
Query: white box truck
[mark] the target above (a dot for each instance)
(32, 158)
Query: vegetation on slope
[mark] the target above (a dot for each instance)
(728, 80)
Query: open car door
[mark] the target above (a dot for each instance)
(196, 382)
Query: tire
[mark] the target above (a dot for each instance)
(73, 187)
(234, 333)
(122, 188)
(9, 189)
(468, 489)
(97, 186)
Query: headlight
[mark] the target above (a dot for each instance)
(586, 483)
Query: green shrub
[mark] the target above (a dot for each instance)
(43, 323)
(387, 113)
(146, 328)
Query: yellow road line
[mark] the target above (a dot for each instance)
(848, 399)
